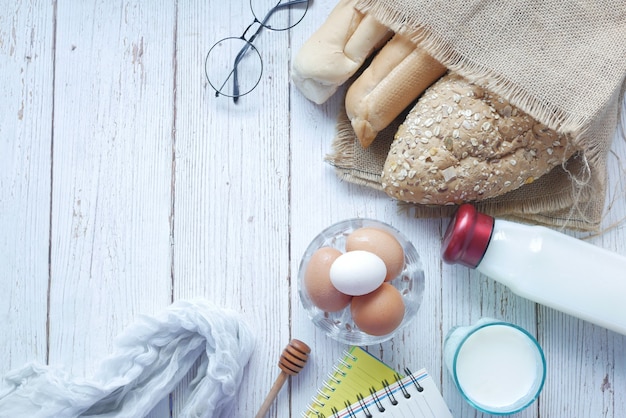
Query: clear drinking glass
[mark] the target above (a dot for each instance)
(498, 367)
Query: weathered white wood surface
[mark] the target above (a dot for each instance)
(125, 185)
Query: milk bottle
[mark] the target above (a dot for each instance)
(542, 265)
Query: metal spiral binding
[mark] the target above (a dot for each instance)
(338, 371)
(363, 405)
(348, 408)
(415, 382)
(334, 378)
(310, 409)
(405, 392)
(348, 354)
(345, 364)
(329, 387)
(323, 394)
(377, 401)
(319, 403)
(392, 398)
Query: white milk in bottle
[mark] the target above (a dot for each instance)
(541, 264)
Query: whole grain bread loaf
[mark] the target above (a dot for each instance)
(462, 143)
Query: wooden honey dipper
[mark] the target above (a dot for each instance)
(292, 360)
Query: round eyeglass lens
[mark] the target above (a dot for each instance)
(279, 15)
(233, 67)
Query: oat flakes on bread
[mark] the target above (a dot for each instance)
(462, 143)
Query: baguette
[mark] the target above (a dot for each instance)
(336, 51)
(397, 75)
(461, 143)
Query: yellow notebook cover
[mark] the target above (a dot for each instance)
(362, 385)
(356, 373)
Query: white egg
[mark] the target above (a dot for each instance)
(357, 272)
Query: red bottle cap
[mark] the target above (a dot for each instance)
(467, 237)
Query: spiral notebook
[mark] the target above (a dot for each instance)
(360, 385)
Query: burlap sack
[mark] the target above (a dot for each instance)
(561, 61)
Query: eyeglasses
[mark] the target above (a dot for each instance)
(233, 65)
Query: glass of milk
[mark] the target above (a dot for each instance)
(498, 367)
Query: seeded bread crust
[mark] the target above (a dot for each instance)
(462, 143)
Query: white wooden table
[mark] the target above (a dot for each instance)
(125, 185)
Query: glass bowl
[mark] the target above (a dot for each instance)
(339, 325)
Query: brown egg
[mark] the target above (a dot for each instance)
(381, 243)
(317, 281)
(379, 312)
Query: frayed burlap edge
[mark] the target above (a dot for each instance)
(443, 52)
(524, 204)
(578, 204)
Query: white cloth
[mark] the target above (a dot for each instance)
(150, 358)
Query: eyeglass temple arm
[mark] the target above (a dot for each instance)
(243, 50)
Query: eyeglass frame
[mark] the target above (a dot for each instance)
(248, 45)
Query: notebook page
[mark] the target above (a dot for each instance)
(401, 399)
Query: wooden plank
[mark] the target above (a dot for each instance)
(112, 186)
(232, 182)
(470, 296)
(319, 199)
(586, 362)
(26, 40)
(145, 188)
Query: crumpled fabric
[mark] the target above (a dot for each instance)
(150, 358)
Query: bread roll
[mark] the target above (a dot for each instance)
(336, 51)
(398, 75)
(461, 143)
